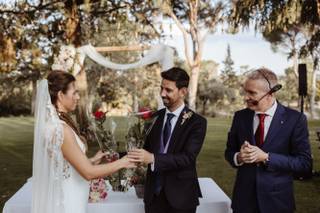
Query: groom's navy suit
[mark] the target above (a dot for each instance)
(268, 188)
(176, 170)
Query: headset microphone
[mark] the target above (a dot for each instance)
(275, 88)
(272, 90)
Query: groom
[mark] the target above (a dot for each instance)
(171, 150)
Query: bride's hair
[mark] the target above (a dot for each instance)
(60, 81)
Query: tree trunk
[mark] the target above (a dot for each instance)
(82, 109)
(204, 106)
(193, 86)
(313, 94)
(295, 63)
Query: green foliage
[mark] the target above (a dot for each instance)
(287, 41)
(288, 95)
(15, 96)
(215, 94)
(270, 16)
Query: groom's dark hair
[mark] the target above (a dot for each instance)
(178, 75)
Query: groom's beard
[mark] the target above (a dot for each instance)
(166, 102)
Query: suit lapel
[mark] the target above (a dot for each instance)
(248, 121)
(276, 124)
(156, 135)
(177, 130)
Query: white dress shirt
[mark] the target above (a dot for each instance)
(267, 122)
(173, 122)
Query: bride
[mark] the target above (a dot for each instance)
(61, 169)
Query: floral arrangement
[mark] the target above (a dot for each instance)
(135, 138)
(68, 60)
(98, 190)
(104, 130)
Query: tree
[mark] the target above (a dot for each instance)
(270, 16)
(228, 73)
(288, 42)
(216, 93)
(289, 93)
(32, 31)
(195, 19)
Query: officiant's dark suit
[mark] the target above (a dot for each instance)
(172, 182)
(266, 152)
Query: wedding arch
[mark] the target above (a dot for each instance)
(72, 59)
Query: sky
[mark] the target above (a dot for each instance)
(247, 48)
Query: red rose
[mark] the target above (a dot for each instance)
(145, 113)
(99, 115)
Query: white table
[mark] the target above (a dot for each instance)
(214, 201)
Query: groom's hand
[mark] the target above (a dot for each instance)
(140, 156)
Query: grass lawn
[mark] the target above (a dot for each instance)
(16, 138)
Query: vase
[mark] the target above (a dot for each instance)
(139, 190)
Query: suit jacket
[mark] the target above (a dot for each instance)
(270, 185)
(177, 168)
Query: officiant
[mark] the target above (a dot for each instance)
(171, 149)
(267, 143)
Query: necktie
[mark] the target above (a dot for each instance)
(165, 138)
(259, 135)
(167, 129)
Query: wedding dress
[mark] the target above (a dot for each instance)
(56, 186)
(75, 187)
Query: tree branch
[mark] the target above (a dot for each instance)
(36, 8)
(185, 38)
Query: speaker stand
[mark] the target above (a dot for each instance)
(301, 103)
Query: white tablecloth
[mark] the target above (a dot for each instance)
(214, 201)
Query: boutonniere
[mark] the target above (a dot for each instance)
(186, 116)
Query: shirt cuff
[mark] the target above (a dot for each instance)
(152, 164)
(235, 159)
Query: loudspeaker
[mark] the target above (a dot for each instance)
(302, 70)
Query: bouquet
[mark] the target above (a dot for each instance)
(137, 133)
(140, 124)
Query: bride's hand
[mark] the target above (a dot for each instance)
(96, 159)
(126, 163)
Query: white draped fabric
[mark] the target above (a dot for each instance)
(158, 53)
(70, 58)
